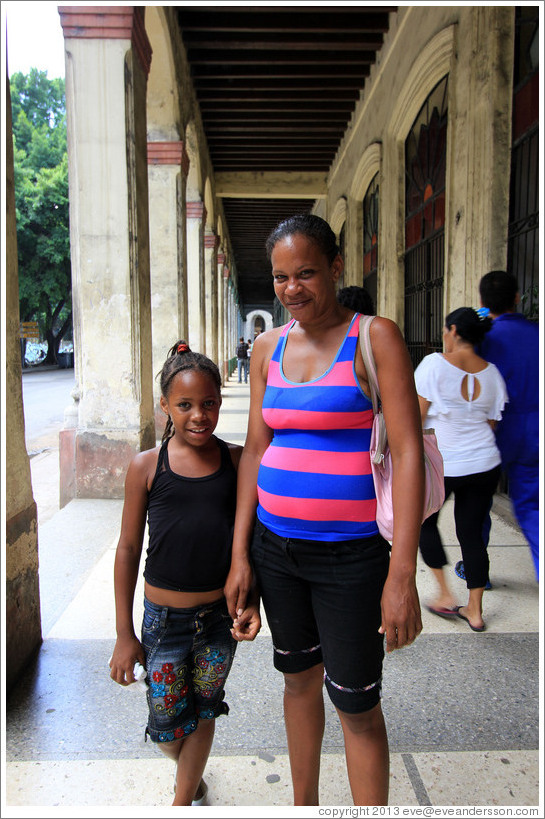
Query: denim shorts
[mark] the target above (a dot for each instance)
(189, 653)
(322, 602)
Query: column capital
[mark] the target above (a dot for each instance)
(196, 210)
(165, 153)
(221, 258)
(226, 272)
(211, 240)
(108, 23)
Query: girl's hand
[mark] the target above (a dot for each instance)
(248, 625)
(401, 617)
(237, 587)
(126, 653)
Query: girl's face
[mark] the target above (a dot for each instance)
(193, 403)
(304, 281)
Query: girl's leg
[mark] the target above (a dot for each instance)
(190, 755)
(367, 756)
(304, 718)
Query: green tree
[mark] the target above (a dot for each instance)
(41, 201)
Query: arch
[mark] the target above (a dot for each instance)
(194, 177)
(338, 217)
(249, 324)
(431, 65)
(209, 205)
(368, 167)
(163, 104)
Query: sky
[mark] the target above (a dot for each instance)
(34, 37)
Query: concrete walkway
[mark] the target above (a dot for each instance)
(462, 709)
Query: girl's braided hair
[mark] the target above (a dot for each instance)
(181, 358)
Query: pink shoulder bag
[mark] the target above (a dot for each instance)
(381, 459)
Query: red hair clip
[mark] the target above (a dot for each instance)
(182, 348)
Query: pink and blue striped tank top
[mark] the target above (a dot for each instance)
(315, 481)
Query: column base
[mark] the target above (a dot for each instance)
(94, 465)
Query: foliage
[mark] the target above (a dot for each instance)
(530, 303)
(41, 201)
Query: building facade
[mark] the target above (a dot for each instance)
(433, 185)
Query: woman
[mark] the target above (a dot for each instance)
(329, 587)
(463, 396)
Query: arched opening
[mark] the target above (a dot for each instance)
(425, 171)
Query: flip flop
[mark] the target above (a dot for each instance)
(443, 612)
(473, 628)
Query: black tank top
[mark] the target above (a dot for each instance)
(190, 524)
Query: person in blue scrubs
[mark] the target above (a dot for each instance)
(513, 346)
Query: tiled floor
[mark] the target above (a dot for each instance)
(462, 709)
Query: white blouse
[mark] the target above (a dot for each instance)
(464, 436)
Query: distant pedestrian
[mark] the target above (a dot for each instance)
(513, 346)
(186, 489)
(356, 298)
(463, 397)
(242, 360)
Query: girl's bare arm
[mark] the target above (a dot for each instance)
(128, 648)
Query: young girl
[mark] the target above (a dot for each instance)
(186, 487)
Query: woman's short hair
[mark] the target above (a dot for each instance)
(307, 224)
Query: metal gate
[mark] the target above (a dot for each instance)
(523, 237)
(425, 169)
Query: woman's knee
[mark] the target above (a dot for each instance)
(305, 683)
(366, 722)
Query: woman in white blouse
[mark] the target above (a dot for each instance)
(462, 397)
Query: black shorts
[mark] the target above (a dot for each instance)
(322, 602)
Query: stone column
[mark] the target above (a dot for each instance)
(21, 589)
(232, 336)
(168, 166)
(196, 219)
(220, 261)
(480, 139)
(107, 63)
(211, 242)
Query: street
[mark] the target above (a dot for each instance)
(46, 394)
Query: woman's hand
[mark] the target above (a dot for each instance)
(401, 617)
(126, 653)
(237, 586)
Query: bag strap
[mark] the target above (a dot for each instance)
(369, 361)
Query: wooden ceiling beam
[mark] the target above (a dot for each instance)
(339, 56)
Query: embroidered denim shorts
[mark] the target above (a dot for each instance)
(322, 601)
(189, 653)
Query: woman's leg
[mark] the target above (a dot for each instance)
(444, 599)
(472, 497)
(304, 718)
(433, 554)
(367, 756)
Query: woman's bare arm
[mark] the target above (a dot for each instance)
(258, 438)
(401, 618)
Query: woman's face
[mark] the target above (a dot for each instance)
(304, 281)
